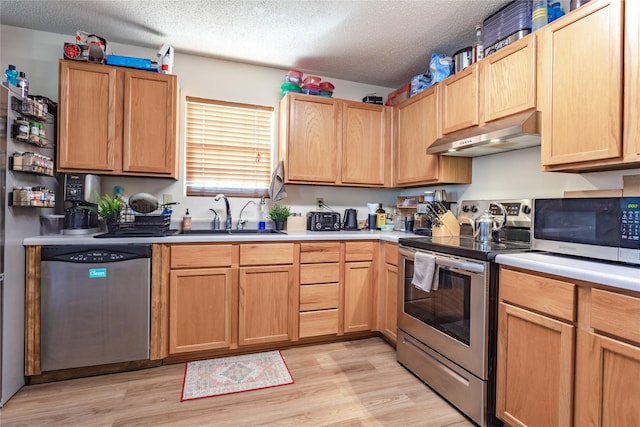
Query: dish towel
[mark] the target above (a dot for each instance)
(276, 188)
(425, 272)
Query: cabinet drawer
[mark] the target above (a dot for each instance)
(358, 251)
(319, 252)
(549, 296)
(266, 253)
(391, 254)
(318, 297)
(186, 256)
(315, 323)
(319, 273)
(616, 314)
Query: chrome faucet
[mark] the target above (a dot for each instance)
(228, 221)
(242, 222)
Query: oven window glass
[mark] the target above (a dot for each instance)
(447, 308)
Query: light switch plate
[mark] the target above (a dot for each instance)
(167, 198)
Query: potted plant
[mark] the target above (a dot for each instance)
(109, 208)
(279, 214)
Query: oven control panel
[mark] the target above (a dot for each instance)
(518, 210)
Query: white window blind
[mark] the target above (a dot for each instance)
(228, 148)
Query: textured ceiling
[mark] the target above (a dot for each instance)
(376, 42)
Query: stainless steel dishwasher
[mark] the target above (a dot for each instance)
(95, 305)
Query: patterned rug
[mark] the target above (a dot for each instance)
(215, 377)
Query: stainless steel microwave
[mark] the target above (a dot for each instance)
(605, 228)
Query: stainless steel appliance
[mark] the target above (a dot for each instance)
(95, 305)
(323, 221)
(447, 336)
(604, 228)
(81, 194)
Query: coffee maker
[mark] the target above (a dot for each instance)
(81, 194)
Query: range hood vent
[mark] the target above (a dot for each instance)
(515, 132)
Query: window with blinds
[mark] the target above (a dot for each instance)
(228, 148)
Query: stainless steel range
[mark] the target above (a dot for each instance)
(448, 331)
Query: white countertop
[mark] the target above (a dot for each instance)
(622, 276)
(387, 236)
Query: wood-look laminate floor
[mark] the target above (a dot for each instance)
(354, 383)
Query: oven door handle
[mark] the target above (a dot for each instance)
(446, 261)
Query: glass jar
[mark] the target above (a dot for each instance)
(17, 195)
(43, 134)
(34, 132)
(22, 131)
(17, 161)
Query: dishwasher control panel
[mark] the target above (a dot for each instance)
(95, 254)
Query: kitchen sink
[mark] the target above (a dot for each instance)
(245, 231)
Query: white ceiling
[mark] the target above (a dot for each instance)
(377, 42)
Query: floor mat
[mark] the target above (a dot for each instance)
(216, 377)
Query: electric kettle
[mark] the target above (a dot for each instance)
(350, 219)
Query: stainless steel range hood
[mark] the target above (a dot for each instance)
(515, 132)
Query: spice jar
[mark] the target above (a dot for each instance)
(43, 134)
(17, 161)
(17, 195)
(22, 131)
(34, 132)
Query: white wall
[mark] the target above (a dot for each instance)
(517, 174)
(505, 175)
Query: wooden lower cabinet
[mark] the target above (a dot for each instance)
(203, 295)
(320, 287)
(201, 305)
(568, 352)
(265, 309)
(358, 280)
(535, 369)
(389, 293)
(608, 361)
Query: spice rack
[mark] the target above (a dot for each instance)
(32, 131)
(31, 139)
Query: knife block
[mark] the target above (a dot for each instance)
(449, 226)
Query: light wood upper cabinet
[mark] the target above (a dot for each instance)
(117, 121)
(508, 80)
(309, 130)
(459, 106)
(631, 131)
(581, 87)
(416, 121)
(89, 125)
(365, 150)
(333, 141)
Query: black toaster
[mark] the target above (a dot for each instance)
(323, 221)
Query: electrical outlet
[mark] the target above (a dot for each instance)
(319, 202)
(167, 198)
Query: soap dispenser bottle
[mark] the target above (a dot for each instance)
(262, 222)
(186, 221)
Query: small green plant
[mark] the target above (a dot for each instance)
(279, 213)
(109, 207)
